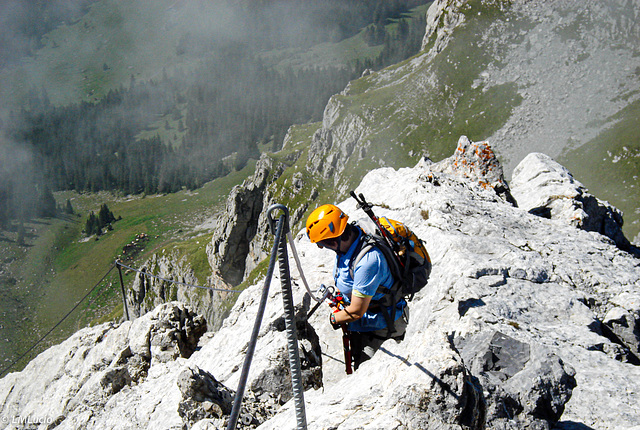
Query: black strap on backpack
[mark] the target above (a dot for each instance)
(386, 305)
(410, 271)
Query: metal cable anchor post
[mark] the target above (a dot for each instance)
(289, 316)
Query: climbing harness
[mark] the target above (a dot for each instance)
(338, 301)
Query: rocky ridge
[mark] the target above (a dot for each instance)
(547, 189)
(527, 322)
(544, 54)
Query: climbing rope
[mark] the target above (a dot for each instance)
(299, 266)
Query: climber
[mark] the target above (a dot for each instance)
(328, 227)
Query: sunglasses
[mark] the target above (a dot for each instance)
(329, 243)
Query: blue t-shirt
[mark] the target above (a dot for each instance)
(371, 272)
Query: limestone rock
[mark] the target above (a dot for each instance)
(524, 387)
(73, 384)
(242, 235)
(476, 162)
(442, 18)
(545, 188)
(202, 396)
(624, 326)
(162, 280)
(236, 229)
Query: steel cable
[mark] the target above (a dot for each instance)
(290, 327)
(57, 324)
(237, 402)
(119, 263)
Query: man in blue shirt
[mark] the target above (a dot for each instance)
(328, 227)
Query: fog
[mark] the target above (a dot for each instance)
(17, 181)
(133, 96)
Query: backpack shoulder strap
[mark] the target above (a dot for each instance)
(366, 244)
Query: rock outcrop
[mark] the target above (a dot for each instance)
(526, 322)
(73, 384)
(443, 17)
(236, 229)
(545, 188)
(166, 278)
(241, 237)
(476, 162)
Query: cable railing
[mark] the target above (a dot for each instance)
(280, 229)
(119, 265)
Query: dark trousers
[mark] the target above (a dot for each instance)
(365, 344)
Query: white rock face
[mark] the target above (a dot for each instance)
(538, 181)
(106, 377)
(513, 331)
(543, 187)
(443, 17)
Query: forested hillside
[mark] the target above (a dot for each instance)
(189, 125)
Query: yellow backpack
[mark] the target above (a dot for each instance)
(405, 253)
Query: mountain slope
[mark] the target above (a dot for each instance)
(506, 89)
(512, 331)
(527, 76)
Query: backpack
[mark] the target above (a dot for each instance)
(405, 254)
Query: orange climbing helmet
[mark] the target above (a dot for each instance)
(326, 222)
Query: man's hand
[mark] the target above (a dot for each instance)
(354, 311)
(332, 321)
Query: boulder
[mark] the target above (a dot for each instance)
(545, 188)
(75, 382)
(477, 163)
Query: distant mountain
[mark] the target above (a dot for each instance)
(553, 77)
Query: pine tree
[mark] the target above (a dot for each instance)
(4, 208)
(20, 238)
(68, 208)
(105, 216)
(47, 204)
(92, 226)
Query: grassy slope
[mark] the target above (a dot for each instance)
(58, 266)
(336, 54)
(114, 41)
(416, 108)
(609, 166)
